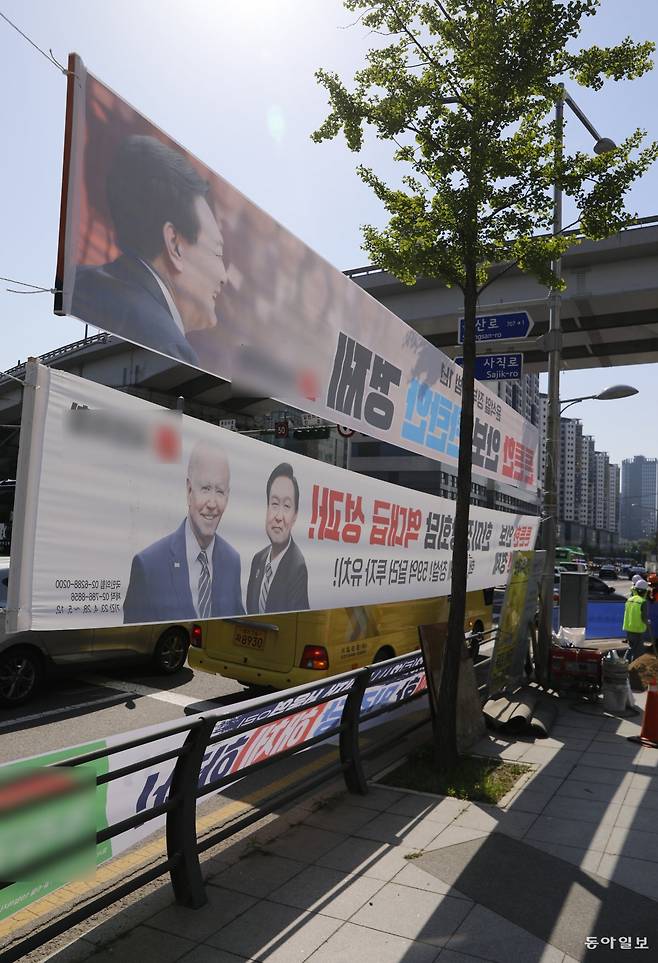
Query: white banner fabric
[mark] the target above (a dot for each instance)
(134, 514)
(210, 279)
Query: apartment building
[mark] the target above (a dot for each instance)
(639, 497)
(588, 497)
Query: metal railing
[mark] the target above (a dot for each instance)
(573, 232)
(269, 729)
(60, 352)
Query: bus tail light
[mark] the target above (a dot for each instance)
(197, 636)
(314, 657)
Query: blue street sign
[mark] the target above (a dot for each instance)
(495, 327)
(497, 367)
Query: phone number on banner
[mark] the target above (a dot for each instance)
(103, 594)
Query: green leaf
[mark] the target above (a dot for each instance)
(477, 174)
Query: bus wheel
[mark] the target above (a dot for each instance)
(381, 655)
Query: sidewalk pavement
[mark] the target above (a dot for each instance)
(571, 853)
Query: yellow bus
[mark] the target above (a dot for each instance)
(280, 651)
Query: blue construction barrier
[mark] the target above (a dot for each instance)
(605, 619)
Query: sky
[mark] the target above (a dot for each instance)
(233, 81)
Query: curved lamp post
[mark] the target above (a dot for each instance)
(602, 145)
(608, 394)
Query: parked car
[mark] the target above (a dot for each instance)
(27, 658)
(638, 570)
(608, 572)
(598, 590)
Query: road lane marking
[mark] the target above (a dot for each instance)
(136, 688)
(62, 710)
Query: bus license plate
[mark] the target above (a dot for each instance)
(249, 638)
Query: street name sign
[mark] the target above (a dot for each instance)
(497, 367)
(496, 327)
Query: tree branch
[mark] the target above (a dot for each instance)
(515, 263)
(459, 94)
(446, 16)
(505, 207)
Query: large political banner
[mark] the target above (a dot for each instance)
(129, 514)
(158, 249)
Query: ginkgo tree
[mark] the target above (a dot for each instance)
(464, 91)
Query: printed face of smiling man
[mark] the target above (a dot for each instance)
(282, 504)
(199, 272)
(208, 487)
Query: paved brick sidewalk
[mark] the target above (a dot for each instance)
(396, 876)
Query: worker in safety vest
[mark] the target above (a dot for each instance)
(634, 581)
(637, 624)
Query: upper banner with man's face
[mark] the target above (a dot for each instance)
(158, 249)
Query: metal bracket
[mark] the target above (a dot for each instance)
(186, 876)
(350, 756)
(551, 341)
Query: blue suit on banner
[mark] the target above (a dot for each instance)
(159, 586)
(124, 297)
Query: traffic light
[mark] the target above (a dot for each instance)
(307, 434)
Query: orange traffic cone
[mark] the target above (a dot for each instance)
(649, 733)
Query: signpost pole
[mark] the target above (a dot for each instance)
(554, 345)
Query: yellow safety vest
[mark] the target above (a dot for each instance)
(633, 621)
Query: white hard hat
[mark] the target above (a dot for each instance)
(641, 585)
(636, 578)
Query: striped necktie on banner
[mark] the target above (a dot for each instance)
(204, 606)
(264, 588)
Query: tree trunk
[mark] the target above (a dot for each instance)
(446, 727)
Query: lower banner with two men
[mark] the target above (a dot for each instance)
(129, 513)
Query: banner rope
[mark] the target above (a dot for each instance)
(19, 381)
(50, 57)
(36, 288)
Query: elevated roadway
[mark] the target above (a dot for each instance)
(609, 307)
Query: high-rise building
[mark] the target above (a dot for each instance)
(574, 466)
(600, 465)
(522, 395)
(571, 433)
(588, 459)
(614, 498)
(639, 497)
(588, 496)
(582, 479)
(606, 492)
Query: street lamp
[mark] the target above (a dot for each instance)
(554, 350)
(608, 394)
